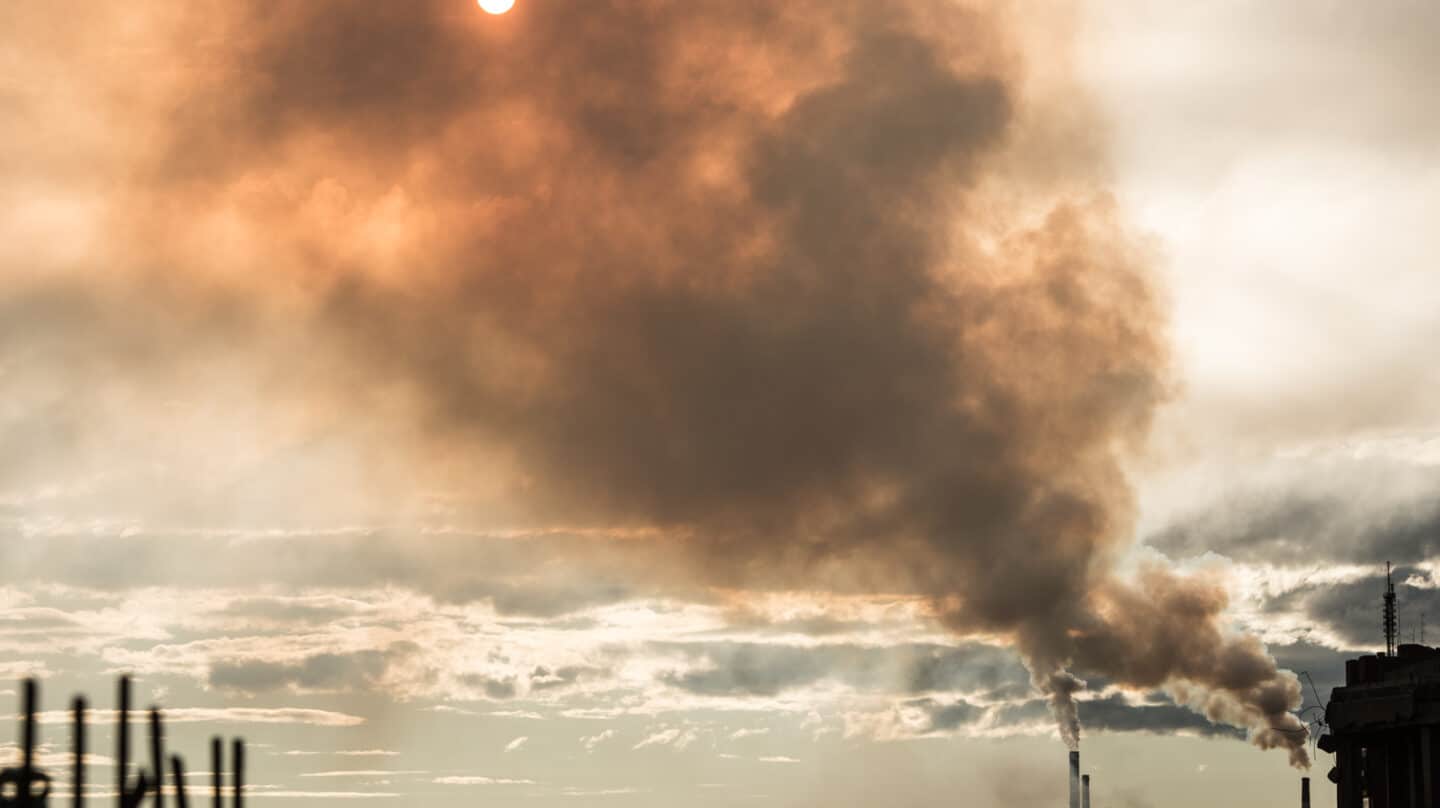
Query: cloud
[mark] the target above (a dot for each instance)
(262, 715)
(674, 737)
(731, 668)
(358, 670)
(478, 780)
(492, 688)
(543, 678)
(590, 742)
(1114, 713)
(1364, 508)
(360, 773)
(235, 715)
(947, 717)
(288, 611)
(517, 744)
(1351, 610)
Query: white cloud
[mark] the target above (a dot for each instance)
(229, 715)
(475, 780)
(516, 744)
(592, 741)
(323, 795)
(361, 773)
(598, 792)
(674, 736)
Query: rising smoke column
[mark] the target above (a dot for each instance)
(822, 290)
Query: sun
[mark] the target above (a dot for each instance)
(497, 6)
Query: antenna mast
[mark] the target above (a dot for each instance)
(1389, 612)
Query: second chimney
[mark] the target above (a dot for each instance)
(1304, 792)
(1085, 791)
(1075, 779)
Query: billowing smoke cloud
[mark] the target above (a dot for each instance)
(817, 293)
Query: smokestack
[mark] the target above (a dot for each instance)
(1304, 792)
(1085, 791)
(1075, 779)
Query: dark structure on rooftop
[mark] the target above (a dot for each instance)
(1385, 724)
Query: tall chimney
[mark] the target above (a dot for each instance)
(1075, 779)
(1085, 791)
(1304, 792)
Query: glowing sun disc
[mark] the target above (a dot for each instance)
(497, 6)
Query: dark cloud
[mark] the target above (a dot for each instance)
(1113, 713)
(1030, 711)
(729, 669)
(1364, 511)
(948, 716)
(492, 688)
(1352, 610)
(1324, 667)
(355, 671)
(286, 610)
(543, 678)
(541, 576)
(540, 600)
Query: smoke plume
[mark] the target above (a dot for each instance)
(817, 292)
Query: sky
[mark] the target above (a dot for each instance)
(639, 401)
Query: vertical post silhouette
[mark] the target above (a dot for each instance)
(237, 753)
(132, 799)
(23, 796)
(122, 739)
(177, 772)
(77, 740)
(27, 786)
(157, 755)
(217, 765)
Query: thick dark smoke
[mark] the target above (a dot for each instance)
(815, 290)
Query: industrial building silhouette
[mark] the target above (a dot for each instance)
(1384, 724)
